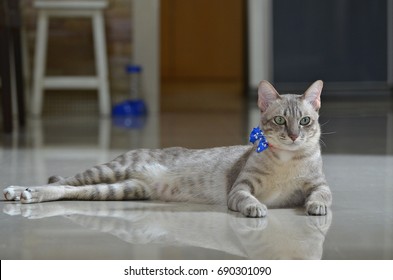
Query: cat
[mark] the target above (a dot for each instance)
(287, 174)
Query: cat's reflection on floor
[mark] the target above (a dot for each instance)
(283, 234)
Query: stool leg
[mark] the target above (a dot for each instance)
(101, 62)
(5, 77)
(16, 39)
(40, 62)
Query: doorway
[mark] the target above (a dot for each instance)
(202, 55)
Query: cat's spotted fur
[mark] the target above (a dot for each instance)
(289, 173)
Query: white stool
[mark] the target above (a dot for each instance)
(75, 8)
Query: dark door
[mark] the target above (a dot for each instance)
(335, 40)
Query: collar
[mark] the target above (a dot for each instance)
(257, 134)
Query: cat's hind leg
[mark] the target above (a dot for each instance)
(33, 194)
(126, 190)
(13, 192)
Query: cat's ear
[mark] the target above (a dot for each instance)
(313, 94)
(267, 94)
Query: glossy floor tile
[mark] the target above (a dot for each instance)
(358, 163)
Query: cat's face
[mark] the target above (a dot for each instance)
(290, 122)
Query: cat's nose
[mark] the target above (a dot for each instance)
(293, 137)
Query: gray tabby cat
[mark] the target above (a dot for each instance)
(287, 174)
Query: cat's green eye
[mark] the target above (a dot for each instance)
(279, 120)
(305, 121)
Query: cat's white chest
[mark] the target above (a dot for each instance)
(282, 183)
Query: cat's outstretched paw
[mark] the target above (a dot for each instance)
(316, 208)
(255, 210)
(24, 194)
(9, 194)
(29, 195)
(13, 193)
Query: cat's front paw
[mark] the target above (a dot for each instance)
(254, 210)
(316, 208)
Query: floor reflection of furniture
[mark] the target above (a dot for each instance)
(11, 59)
(50, 151)
(92, 9)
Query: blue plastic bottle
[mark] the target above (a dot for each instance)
(135, 106)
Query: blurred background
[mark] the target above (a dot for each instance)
(203, 58)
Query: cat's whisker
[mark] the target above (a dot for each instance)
(328, 133)
(325, 123)
(322, 142)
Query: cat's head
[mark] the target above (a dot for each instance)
(290, 121)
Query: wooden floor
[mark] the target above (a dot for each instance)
(202, 96)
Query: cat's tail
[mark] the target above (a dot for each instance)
(111, 173)
(54, 179)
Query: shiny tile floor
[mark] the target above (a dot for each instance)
(358, 162)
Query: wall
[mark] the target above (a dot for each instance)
(260, 42)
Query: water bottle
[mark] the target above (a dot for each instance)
(131, 113)
(134, 72)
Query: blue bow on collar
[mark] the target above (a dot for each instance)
(257, 134)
